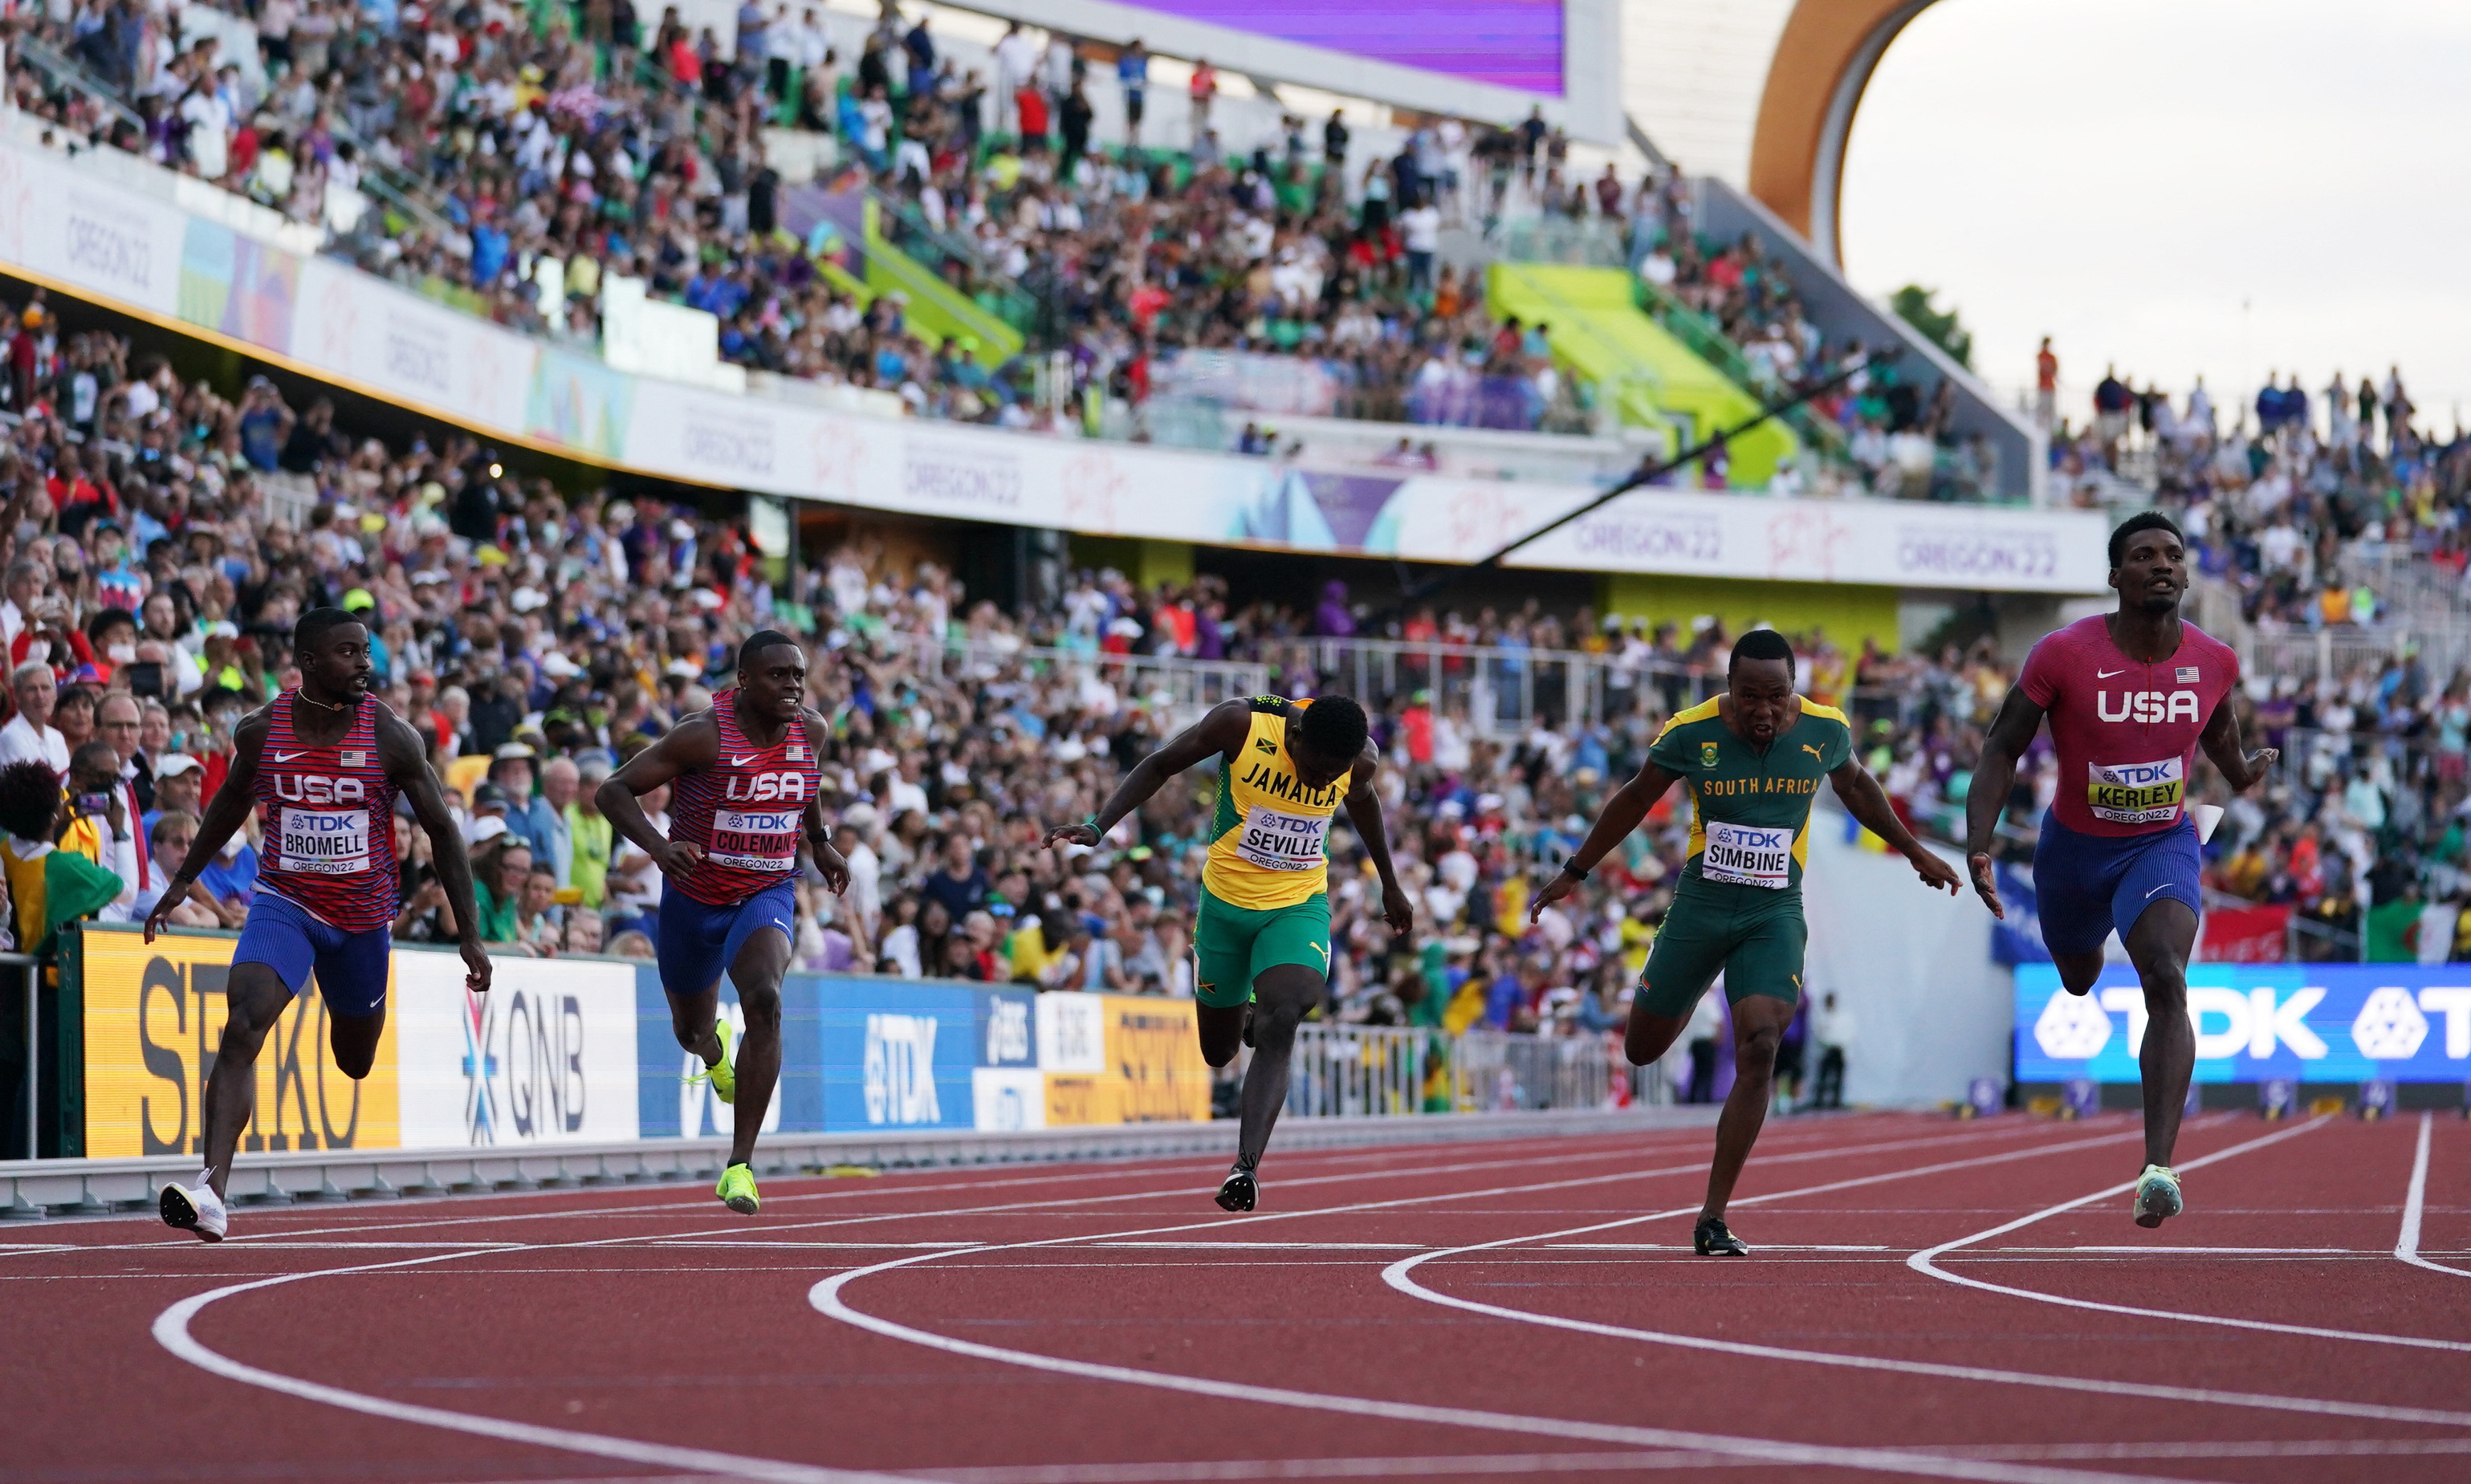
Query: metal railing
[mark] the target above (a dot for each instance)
(1345, 1070)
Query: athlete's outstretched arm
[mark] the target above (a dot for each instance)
(1364, 812)
(2221, 739)
(1865, 800)
(2011, 733)
(819, 835)
(228, 811)
(690, 747)
(1222, 731)
(407, 767)
(1621, 814)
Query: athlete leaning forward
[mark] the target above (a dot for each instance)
(2130, 696)
(322, 764)
(747, 776)
(1753, 759)
(1261, 946)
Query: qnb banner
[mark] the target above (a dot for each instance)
(2311, 1023)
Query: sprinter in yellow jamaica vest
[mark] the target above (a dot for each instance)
(1261, 945)
(1753, 759)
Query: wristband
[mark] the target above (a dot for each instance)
(1573, 867)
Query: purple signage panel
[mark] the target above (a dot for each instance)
(1508, 43)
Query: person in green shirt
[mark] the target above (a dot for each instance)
(593, 838)
(1753, 759)
(500, 865)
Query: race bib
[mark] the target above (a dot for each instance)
(1747, 855)
(323, 842)
(755, 839)
(2137, 792)
(1279, 841)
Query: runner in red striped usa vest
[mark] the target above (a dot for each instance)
(321, 765)
(749, 781)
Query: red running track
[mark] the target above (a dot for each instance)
(1929, 1299)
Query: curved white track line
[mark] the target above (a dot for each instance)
(172, 1329)
(2414, 1205)
(1926, 1261)
(826, 1297)
(1398, 1275)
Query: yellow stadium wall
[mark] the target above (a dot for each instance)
(1849, 612)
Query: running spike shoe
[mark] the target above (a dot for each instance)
(737, 1190)
(196, 1208)
(1240, 1189)
(1712, 1238)
(722, 1075)
(2158, 1196)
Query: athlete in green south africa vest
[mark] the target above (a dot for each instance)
(1750, 811)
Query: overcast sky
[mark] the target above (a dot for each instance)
(2179, 186)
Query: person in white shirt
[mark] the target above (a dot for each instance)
(24, 584)
(1016, 58)
(865, 895)
(29, 736)
(1420, 226)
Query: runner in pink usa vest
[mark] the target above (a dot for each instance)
(2132, 695)
(749, 781)
(321, 765)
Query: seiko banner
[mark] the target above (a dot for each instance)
(2309, 1023)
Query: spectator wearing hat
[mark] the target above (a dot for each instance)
(529, 818)
(177, 777)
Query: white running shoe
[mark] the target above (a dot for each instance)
(2158, 1196)
(196, 1208)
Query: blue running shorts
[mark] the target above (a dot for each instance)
(697, 940)
(2086, 886)
(287, 937)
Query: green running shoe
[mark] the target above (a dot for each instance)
(2158, 1196)
(737, 1190)
(724, 1077)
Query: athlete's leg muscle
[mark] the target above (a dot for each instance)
(2078, 971)
(1283, 993)
(1649, 1035)
(2160, 945)
(1759, 1023)
(757, 973)
(256, 998)
(1222, 1032)
(690, 1021)
(355, 1040)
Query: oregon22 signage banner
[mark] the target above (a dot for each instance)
(2310, 1023)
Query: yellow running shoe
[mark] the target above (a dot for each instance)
(737, 1190)
(724, 1077)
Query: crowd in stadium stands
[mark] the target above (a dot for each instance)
(562, 147)
(2274, 500)
(159, 538)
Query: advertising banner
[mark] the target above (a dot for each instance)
(1121, 1059)
(546, 1056)
(154, 1018)
(2308, 1023)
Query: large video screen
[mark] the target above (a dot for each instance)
(2310, 1023)
(1511, 43)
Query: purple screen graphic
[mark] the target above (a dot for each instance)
(1511, 43)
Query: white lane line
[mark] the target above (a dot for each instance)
(826, 1297)
(1399, 1276)
(688, 1205)
(2184, 1252)
(171, 1330)
(1926, 1261)
(1596, 1462)
(2414, 1205)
